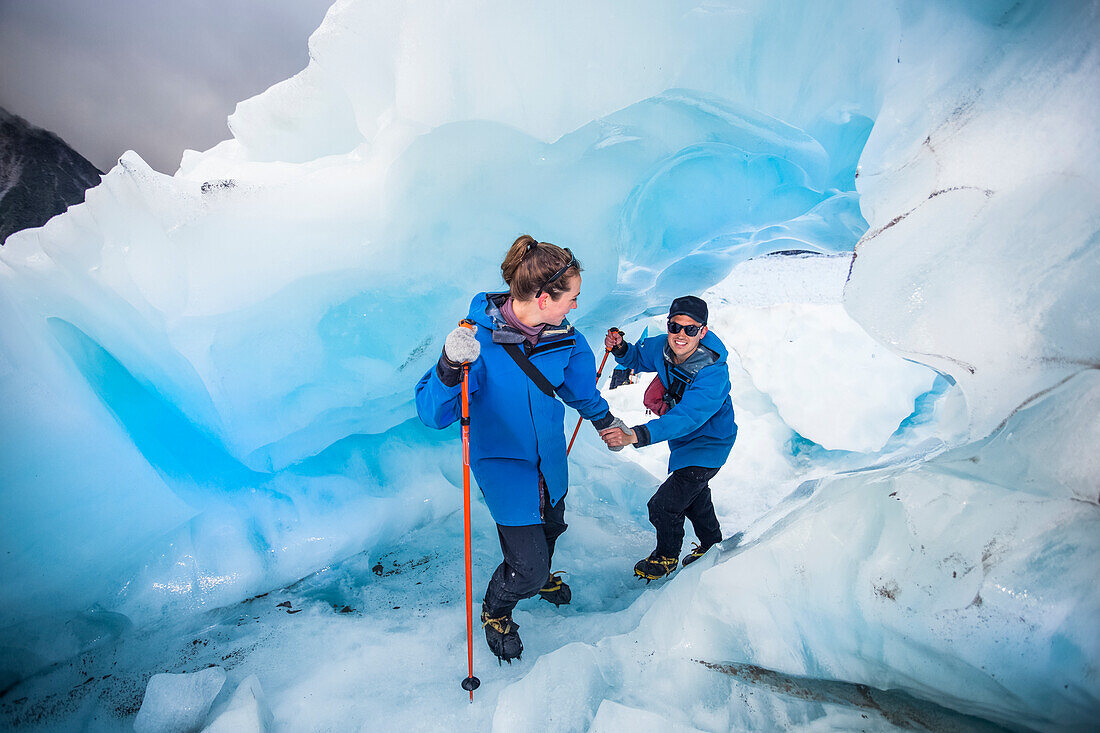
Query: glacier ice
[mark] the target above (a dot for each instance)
(205, 377)
(245, 711)
(237, 319)
(178, 702)
(827, 378)
(984, 204)
(611, 716)
(584, 61)
(986, 555)
(960, 591)
(1028, 455)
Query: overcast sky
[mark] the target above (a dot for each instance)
(155, 76)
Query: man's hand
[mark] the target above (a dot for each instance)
(613, 339)
(617, 435)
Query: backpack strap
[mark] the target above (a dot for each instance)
(530, 369)
(678, 381)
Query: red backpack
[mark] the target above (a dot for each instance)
(654, 398)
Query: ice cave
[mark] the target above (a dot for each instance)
(220, 511)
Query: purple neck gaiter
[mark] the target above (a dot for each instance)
(531, 332)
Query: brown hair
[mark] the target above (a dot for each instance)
(530, 263)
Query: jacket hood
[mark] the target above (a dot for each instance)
(715, 344)
(485, 311)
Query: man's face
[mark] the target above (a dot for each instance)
(681, 344)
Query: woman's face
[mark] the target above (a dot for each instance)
(553, 312)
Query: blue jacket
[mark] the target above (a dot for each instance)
(699, 427)
(516, 430)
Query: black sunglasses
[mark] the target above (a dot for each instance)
(691, 331)
(557, 275)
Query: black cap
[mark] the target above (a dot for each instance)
(690, 306)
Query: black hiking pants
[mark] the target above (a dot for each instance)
(685, 493)
(527, 553)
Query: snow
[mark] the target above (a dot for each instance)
(245, 711)
(205, 378)
(611, 716)
(926, 592)
(829, 381)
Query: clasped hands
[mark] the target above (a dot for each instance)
(617, 435)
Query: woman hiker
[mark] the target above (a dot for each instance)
(517, 436)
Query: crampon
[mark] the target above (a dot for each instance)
(655, 567)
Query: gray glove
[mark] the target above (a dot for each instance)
(461, 346)
(618, 423)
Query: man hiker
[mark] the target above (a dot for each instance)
(691, 398)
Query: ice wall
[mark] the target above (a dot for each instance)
(980, 184)
(206, 376)
(962, 592)
(548, 71)
(968, 579)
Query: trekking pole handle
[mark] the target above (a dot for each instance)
(613, 329)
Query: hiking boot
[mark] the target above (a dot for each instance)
(655, 567)
(556, 590)
(697, 551)
(501, 634)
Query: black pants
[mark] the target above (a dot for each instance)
(686, 493)
(527, 553)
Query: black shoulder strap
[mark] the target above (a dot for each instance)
(678, 381)
(529, 369)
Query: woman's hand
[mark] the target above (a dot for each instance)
(461, 346)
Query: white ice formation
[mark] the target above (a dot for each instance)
(178, 703)
(205, 378)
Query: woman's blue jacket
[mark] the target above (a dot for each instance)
(516, 430)
(699, 428)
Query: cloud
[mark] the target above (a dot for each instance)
(113, 75)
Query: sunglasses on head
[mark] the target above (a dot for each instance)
(557, 275)
(691, 331)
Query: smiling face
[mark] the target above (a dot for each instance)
(553, 311)
(681, 344)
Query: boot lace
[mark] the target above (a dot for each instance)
(554, 582)
(502, 624)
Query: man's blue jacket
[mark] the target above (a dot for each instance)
(699, 428)
(516, 430)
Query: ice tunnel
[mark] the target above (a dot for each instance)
(206, 377)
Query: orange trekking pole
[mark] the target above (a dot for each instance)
(471, 683)
(598, 373)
